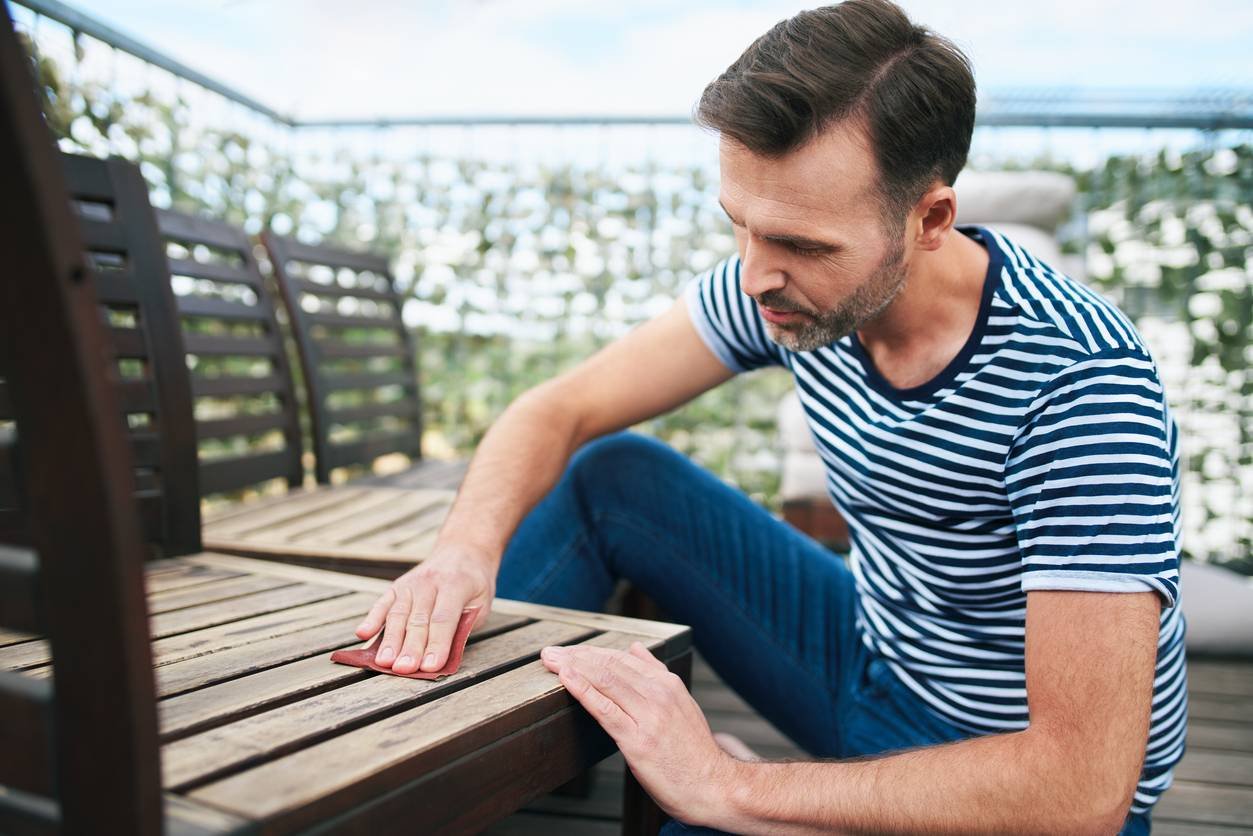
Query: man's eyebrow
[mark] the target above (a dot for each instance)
(791, 240)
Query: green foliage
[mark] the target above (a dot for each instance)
(519, 271)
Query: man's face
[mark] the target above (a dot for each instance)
(815, 253)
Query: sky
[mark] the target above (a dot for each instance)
(323, 58)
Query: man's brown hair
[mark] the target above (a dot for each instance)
(862, 59)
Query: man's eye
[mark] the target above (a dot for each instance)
(806, 250)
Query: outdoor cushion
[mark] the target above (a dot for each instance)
(1042, 199)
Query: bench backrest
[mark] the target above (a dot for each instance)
(356, 354)
(79, 750)
(247, 419)
(117, 228)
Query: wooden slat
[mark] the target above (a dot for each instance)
(193, 229)
(235, 385)
(298, 788)
(205, 345)
(1228, 678)
(27, 814)
(245, 696)
(8, 637)
(242, 425)
(427, 473)
(246, 631)
(216, 271)
(349, 382)
(209, 593)
(1204, 765)
(676, 637)
(146, 449)
(106, 236)
(186, 818)
(1233, 737)
(222, 665)
(340, 350)
(424, 507)
(371, 447)
(193, 575)
(259, 513)
(334, 257)
(237, 610)
(217, 475)
(1206, 804)
(117, 286)
(128, 342)
(21, 598)
(334, 291)
(343, 321)
(304, 525)
(218, 308)
(26, 736)
(1220, 707)
(268, 735)
(404, 408)
(136, 396)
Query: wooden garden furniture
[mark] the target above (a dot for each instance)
(247, 421)
(194, 693)
(358, 360)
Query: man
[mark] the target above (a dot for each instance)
(1005, 653)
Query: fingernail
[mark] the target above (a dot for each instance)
(429, 661)
(405, 661)
(386, 655)
(363, 625)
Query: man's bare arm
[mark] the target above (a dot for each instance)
(650, 371)
(1090, 666)
(653, 369)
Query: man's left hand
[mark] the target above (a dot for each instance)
(659, 728)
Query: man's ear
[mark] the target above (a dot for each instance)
(936, 212)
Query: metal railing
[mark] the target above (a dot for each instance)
(1203, 110)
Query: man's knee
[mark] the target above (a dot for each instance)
(621, 458)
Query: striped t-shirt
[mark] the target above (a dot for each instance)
(1044, 456)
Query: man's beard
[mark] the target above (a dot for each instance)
(823, 328)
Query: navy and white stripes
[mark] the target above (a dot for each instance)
(1044, 456)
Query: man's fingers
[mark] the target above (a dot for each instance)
(373, 621)
(416, 628)
(394, 626)
(639, 651)
(603, 709)
(444, 617)
(618, 675)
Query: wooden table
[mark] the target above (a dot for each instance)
(366, 529)
(261, 732)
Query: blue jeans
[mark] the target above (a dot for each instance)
(772, 611)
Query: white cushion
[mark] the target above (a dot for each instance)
(1218, 606)
(1043, 199)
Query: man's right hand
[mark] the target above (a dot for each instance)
(419, 613)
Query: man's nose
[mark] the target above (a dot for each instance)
(759, 272)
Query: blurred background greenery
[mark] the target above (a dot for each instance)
(519, 257)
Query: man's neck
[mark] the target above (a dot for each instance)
(931, 318)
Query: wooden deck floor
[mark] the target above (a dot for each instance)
(1213, 791)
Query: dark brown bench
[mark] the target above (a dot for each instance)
(358, 359)
(193, 694)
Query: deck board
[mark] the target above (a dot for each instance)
(1212, 795)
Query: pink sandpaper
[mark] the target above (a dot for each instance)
(363, 657)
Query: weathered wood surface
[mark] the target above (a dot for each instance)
(376, 529)
(259, 728)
